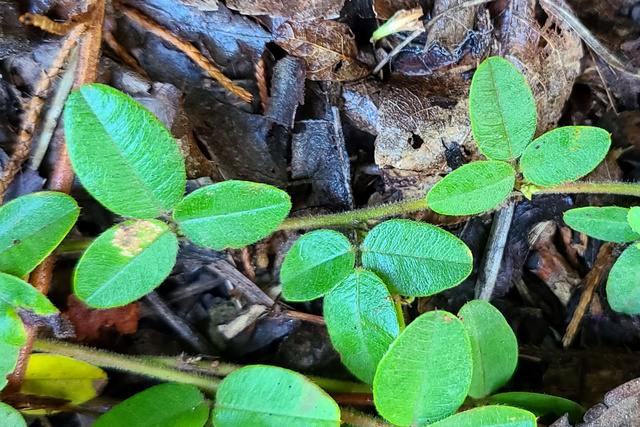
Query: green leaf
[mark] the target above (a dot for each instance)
(425, 375)
(608, 223)
(494, 347)
(17, 295)
(316, 264)
(634, 218)
(165, 405)
(541, 404)
(61, 377)
(123, 155)
(472, 189)
(502, 110)
(232, 213)
(31, 227)
(125, 262)
(267, 396)
(564, 154)
(623, 285)
(10, 417)
(362, 322)
(415, 259)
(490, 416)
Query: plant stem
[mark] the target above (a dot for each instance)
(357, 418)
(127, 363)
(201, 374)
(356, 217)
(621, 188)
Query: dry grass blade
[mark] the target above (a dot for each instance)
(188, 49)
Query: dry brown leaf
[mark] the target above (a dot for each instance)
(296, 10)
(328, 48)
(450, 31)
(91, 324)
(548, 56)
(384, 9)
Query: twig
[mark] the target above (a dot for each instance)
(604, 261)
(54, 111)
(427, 27)
(246, 287)
(57, 28)
(356, 418)
(176, 323)
(492, 260)
(261, 79)
(122, 53)
(246, 264)
(188, 49)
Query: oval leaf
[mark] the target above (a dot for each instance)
(634, 218)
(16, 295)
(362, 322)
(10, 417)
(608, 223)
(12, 337)
(316, 264)
(61, 377)
(541, 404)
(125, 262)
(564, 154)
(267, 396)
(416, 259)
(31, 227)
(165, 405)
(425, 375)
(232, 213)
(490, 416)
(502, 110)
(123, 155)
(472, 189)
(623, 285)
(494, 347)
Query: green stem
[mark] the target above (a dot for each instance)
(621, 188)
(356, 217)
(201, 374)
(132, 364)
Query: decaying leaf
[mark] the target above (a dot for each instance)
(384, 9)
(296, 10)
(449, 33)
(549, 57)
(418, 119)
(91, 324)
(328, 47)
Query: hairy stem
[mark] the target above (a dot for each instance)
(132, 364)
(360, 419)
(201, 374)
(356, 217)
(620, 188)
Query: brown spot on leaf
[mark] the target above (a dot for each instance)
(132, 238)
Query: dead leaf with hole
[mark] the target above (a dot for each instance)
(328, 47)
(296, 10)
(418, 119)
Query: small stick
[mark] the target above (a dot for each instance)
(189, 49)
(494, 252)
(246, 264)
(261, 79)
(604, 261)
(57, 28)
(123, 54)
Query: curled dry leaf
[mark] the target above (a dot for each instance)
(296, 10)
(328, 47)
(91, 325)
